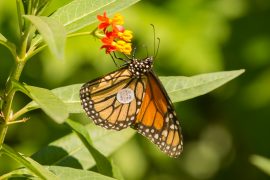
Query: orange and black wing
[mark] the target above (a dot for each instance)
(99, 99)
(157, 119)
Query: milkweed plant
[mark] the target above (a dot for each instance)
(44, 24)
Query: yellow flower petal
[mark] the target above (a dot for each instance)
(118, 19)
(123, 47)
(126, 35)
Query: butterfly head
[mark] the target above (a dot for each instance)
(140, 67)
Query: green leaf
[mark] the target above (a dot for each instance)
(261, 162)
(52, 32)
(19, 87)
(53, 6)
(116, 171)
(49, 103)
(23, 173)
(29, 163)
(181, 88)
(68, 173)
(81, 13)
(103, 164)
(9, 45)
(2, 38)
(68, 151)
(70, 95)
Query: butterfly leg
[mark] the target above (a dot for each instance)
(120, 58)
(114, 60)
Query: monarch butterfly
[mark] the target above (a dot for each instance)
(133, 96)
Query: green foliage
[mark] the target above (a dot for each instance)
(179, 88)
(29, 163)
(183, 88)
(50, 23)
(52, 32)
(82, 13)
(71, 173)
(49, 103)
(69, 151)
(103, 164)
(58, 173)
(2, 38)
(8, 44)
(70, 96)
(261, 162)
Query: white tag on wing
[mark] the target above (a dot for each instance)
(125, 95)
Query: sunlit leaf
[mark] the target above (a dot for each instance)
(53, 6)
(52, 32)
(70, 96)
(29, 163)
(116, 171)
(181, 88)
(81, 13)
(49, 103)
(68, 151)
(261, 162)
(19, 87)
(68, 173)
(19, 173)
(2, 38)
(104, 166)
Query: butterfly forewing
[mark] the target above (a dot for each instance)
(99, 99)
(134, 96)
(157, 119)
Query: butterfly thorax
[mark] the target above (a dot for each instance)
(140, 67)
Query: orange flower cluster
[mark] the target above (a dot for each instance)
(116, 37)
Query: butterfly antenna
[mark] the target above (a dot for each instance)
(146, 49)
(154, 32)
(133, 53)
(155, 50)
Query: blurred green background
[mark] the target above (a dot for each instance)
(221, 129)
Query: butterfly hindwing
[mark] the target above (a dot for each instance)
(99, 99)
(134, 96)
(157, 119)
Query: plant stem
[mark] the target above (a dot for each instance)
(22, 111)
(20, 60)
(19, 15)
(8, 99)
(10, 92)
(3, 132)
